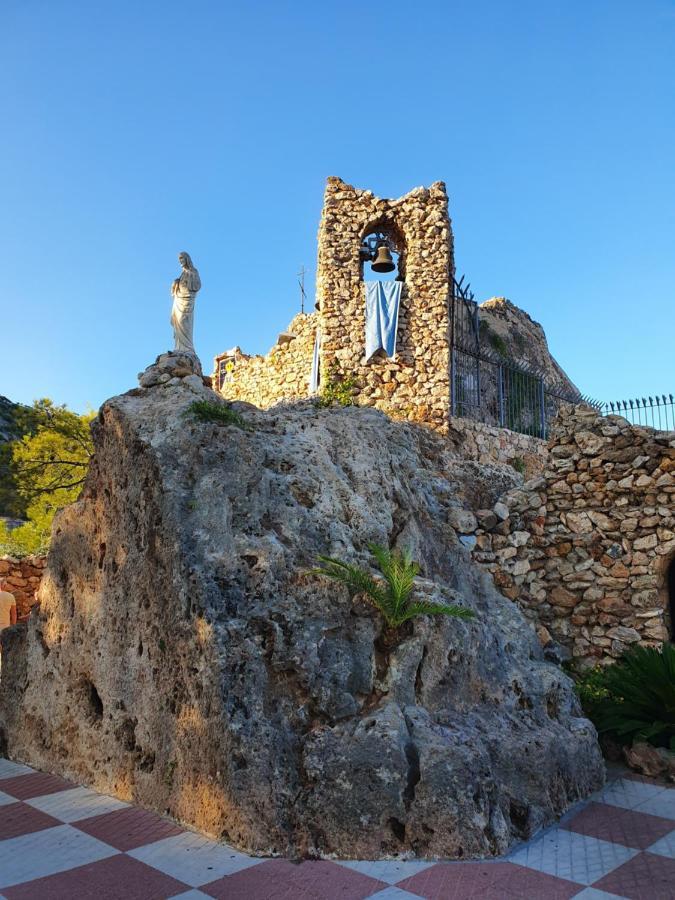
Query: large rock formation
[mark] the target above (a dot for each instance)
(183, 656)
(511, 333)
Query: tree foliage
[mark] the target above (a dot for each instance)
(392, 594)
(48, 467)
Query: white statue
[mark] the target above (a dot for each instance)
(184, 292)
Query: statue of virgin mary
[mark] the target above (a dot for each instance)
(184, 292)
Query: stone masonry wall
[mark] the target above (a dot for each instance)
(498, 446)
(282, 374)
(417, 381)
(584, 548)
(22, 578)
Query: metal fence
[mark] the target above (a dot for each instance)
(492, 389)
(655, 412)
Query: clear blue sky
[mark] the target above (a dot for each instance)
(131, 131)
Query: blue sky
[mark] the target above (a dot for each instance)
(134, 130)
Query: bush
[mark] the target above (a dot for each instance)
(634, 699)
(338, 388)
(220, 413)
(392, 594)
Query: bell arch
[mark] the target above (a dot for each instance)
(396, 244)
(416, 382)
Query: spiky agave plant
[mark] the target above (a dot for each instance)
(392, 595)
(639, 697)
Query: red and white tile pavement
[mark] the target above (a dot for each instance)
(59, 841)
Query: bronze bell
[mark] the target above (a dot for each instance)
(383, 261)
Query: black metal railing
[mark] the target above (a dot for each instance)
(493, 389)
(655, 412)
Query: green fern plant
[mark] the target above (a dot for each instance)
(392, 595)
(634, 699)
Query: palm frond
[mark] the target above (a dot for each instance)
(423, 608)
(637, 696)
(392, 597)
(357, 580)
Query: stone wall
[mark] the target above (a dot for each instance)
(22, 578)
(282, 374)
(417, 381)
(498, 446)
(585, 547)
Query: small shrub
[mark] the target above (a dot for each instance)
(220, 413)
(392, 594)
(634, 699)
(518, 463)
(499, 344)
(590, 688)
(338, 388)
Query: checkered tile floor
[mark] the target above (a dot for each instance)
(58, 840)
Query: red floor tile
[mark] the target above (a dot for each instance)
(487, 881)
(19, 818)
(645, 877)
(280, 879)
(23, 787)
(620, 826)
(110, 879)
(127, 829)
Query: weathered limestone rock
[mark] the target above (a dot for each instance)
(182, 656)
(512, 333)
(655, 762)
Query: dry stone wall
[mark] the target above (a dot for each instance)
(584, 548)
(282, 374)
(417, 380)
(22, 578)
(489, 444)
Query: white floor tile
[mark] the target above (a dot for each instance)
(47, 852)
(390, 870)
(10, 769)
(5, 799)
(590, 893)
(629, 794)
(393, 893)
(661, 805)
(190, 895)
(78, 803)
(575, 857)
(193, 859)
(665, 846)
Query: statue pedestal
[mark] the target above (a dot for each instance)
(169, 366)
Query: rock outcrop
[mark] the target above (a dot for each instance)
(183, 656)
(511, 333)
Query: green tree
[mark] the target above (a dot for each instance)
(48, 468)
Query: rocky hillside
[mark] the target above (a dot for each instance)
(509, 332)
(184, 656)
